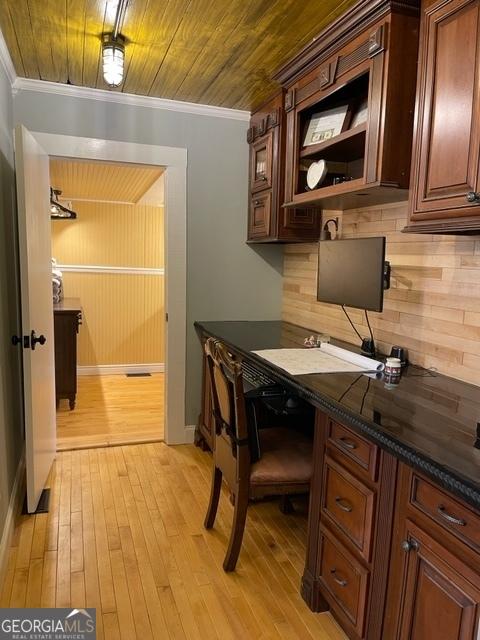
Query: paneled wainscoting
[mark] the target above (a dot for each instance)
(125, 535)
(432, 308)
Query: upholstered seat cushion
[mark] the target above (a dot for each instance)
(286, 458)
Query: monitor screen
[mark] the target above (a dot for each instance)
(350, 272)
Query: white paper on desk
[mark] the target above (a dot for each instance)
(326, 359)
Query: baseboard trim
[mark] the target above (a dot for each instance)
(190, 434)
(118, 369)
(14, 508)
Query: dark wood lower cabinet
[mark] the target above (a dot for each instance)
(350, 529)
(434, 585)
(441, 595)
(67, 317)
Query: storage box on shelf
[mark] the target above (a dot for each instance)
(268, 221)
(349, 99)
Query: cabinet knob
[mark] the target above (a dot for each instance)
(473, 196)
(409, 545)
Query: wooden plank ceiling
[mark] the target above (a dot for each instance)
(99, 181)
(219, 52)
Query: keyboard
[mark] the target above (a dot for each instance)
(254, 376)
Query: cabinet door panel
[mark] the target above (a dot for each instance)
(440, 598)
(259, 222)
(261, 161)
(447, 147)
(301, 219)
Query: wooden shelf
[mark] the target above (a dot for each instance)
(348, 195)
(352, 140)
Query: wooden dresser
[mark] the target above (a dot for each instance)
(67, 318)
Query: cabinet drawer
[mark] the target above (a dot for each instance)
(345, 580)
(359, 450)
(448, 512)
(348, 504)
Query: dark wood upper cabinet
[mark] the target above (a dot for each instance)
(268, 221)
(364, 66)
(445, 170)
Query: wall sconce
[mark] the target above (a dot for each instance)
(113, 59)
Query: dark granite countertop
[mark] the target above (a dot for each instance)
(428, 420)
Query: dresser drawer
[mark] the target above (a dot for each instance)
(446, 510)
(359, 450)
(344, 579)
(349, 505)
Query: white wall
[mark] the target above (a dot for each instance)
(226, 279)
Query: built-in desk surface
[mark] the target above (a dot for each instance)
(428, 420)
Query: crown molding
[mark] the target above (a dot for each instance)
(6, 60)
(150, 102)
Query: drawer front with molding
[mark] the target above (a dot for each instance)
(344, 579)
(446, 510)
(348, 504)
(359, 450)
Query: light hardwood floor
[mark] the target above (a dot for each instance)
(112, 410)
(125, 535)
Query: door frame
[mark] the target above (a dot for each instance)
(174, 160)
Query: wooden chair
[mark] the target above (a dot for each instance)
(285, 464)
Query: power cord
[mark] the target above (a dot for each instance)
(350, 321)
(369, 327)
(366, 348)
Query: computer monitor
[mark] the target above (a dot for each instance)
(351, 272)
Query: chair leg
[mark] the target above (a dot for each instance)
(286, 505)
(214, 498)
(238, 527)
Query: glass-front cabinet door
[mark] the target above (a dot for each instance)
(261, 163)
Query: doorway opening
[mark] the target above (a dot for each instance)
(108, 273)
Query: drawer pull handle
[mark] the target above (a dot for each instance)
(343, 504)
(446, 516)
(349, 444)
(340, 581)
(257, 203)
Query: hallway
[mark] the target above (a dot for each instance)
(111, 410)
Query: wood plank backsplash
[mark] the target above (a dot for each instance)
(432, 307)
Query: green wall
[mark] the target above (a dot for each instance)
(227, 280)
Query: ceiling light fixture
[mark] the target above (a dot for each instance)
(59, 211)
(113, 49)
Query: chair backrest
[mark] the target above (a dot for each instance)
(230, 421)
